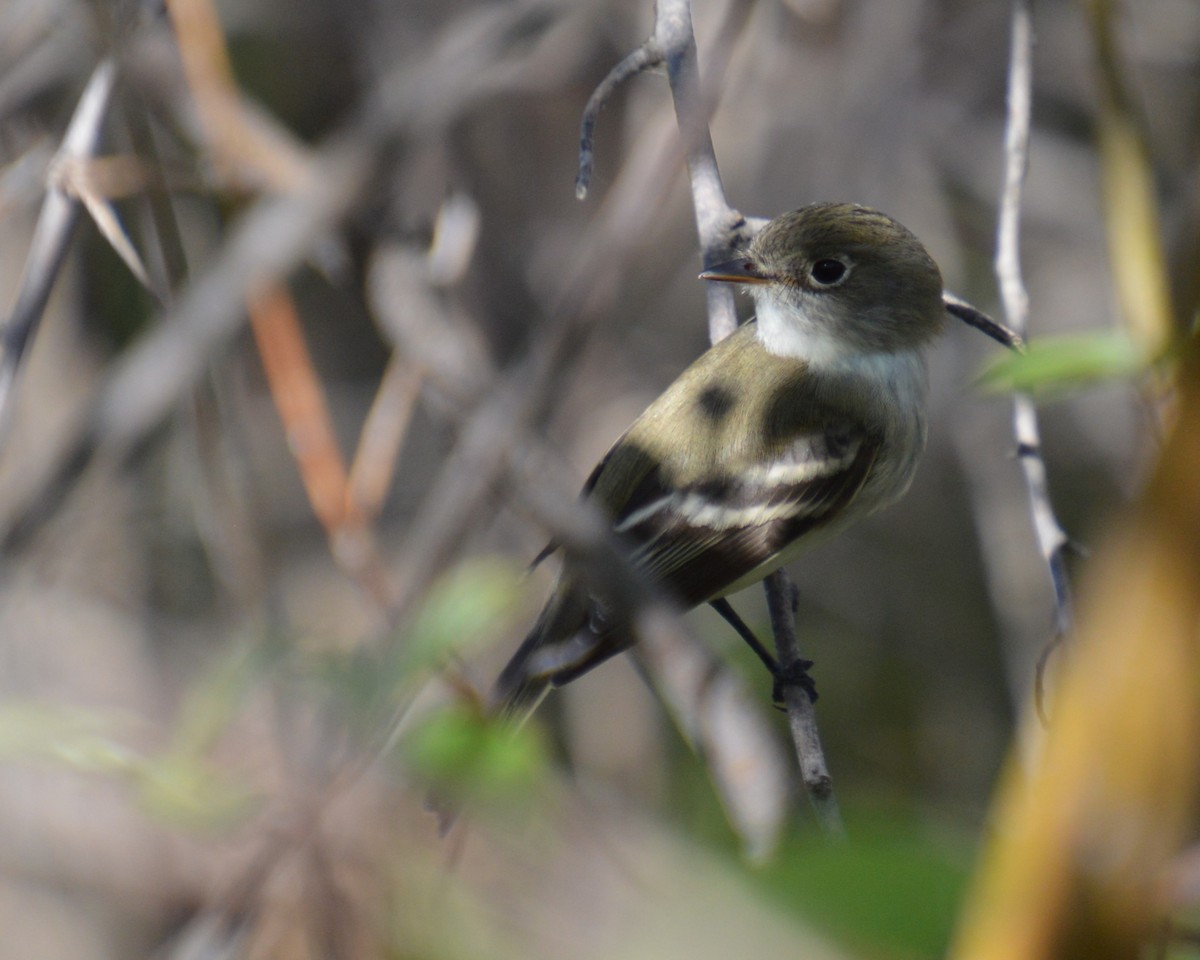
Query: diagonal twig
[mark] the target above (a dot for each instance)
(644, 58)
(300, 402)
(51, 236)
(245, 146)
(73, 177)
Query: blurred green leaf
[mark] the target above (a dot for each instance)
(212, 702)
(468, 606)
(185, 790)
(893, 887)
(77, 738)
(178, 787)
(359, 683)
(471, 756)
(1058, 364)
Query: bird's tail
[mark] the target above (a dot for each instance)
(527, 677)
(567, 641)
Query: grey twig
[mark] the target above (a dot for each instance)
(1052, 540)
(802, 718)
(719, 226)
(722, 230)
(52, 235)
(642, 59)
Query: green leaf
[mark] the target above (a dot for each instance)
(212, 702)
(469, 755)
(186, 790)
(1060, 364)
(76, 738)
(894, 889)
(468, 606)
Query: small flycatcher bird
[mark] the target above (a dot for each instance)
(807, 418)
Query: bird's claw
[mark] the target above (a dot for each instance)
(794, 674)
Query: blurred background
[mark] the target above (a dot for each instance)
(215, 723)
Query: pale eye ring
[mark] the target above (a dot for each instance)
(828, 271)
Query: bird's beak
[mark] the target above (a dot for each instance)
(741, 270)
(971, 316)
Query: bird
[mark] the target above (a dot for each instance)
(809, 417)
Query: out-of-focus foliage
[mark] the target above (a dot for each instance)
(464, 610)
(895, 889)
(462, 752)
(1057, 365)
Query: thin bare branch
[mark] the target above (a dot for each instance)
(802, 717)
(308, 424)
(721, 229)
(383, 434)
(717, 224)
(246, 145)
(1052, 540)
(56, 223)
(642, 59)
(71, 176)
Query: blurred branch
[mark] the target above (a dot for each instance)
(56, 223)
(77, 178)
(162, 217)
(1131, 208)
(271, 238)
(721, 717)
(1052, 541)
(246, 147)
(149, 379)
(383, 435)
(308, 425)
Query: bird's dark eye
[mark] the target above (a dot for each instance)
(828, 271)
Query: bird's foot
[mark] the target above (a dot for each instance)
(794, 674)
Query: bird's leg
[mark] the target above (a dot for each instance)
(794, 674)
(730, 616)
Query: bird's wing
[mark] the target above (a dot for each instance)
(698, 539)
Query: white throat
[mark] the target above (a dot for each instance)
(804, 334)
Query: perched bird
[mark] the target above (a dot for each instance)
(807, 418)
